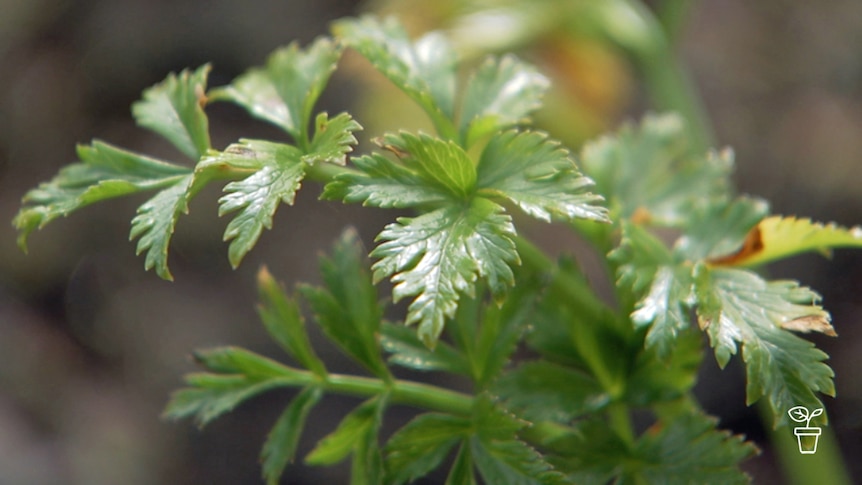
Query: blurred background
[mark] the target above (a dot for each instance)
(91, 345)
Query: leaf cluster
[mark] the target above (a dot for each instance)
(683, 248)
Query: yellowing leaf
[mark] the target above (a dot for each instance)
(778, 237)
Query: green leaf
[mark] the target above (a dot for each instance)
(488, 333)
(439, 163)
(283, 320)
(408, 351)
(174, 109)
(347, 307)
(720, 229)
(658, 377)
(739, 306)
(500, 94)
(778, 237)
(155, 223)
(690, 450)
(424, 70)
(588, 339)
(429, 170)
(105, 172)
(384, 183)
(646, 172)
(638, 257)
(367, 464)
(422, 444)
(280, 446)
(462, 470)
(357, 433)
(278, 173)
(336, 446)
(537, 175)
(593, 453)
(541, 390)
(439, 255)
(235, 360)
(212, 395)
(333, 139)
(665, 309)
(285, 90)
(500, 457)
(685, 450)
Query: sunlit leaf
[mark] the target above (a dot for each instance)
(440, 163)
(539, 176)
(278, 173)
(778, 237)
(333, 139)
(738, 307)
(424, 69)
(501, 93)
(285, 90)
(174, 109)
(720, 229)
(438, 256)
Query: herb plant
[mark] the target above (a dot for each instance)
(477, 290)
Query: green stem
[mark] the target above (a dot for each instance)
(325, 172)
(621, 422)
(411, 393)
(666, 81)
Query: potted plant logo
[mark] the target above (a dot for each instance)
(807, 436)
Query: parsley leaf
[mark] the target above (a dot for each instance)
(174, 109)
(647, 171)
(500, 456)
(285, 90)
(778, 237)
(739, 306)
(155, 222)
(500, 94)
(424, 70)
(687, 449)
(422, 444)
(105, 172)
(279, 170)
(282, 441)
(438, 255)
(539, 176)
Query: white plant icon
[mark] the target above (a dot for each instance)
(805, 434)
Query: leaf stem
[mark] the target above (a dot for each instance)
(411, 393)
(621, 422)
(325, 172)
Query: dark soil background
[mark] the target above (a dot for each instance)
(91, 345)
